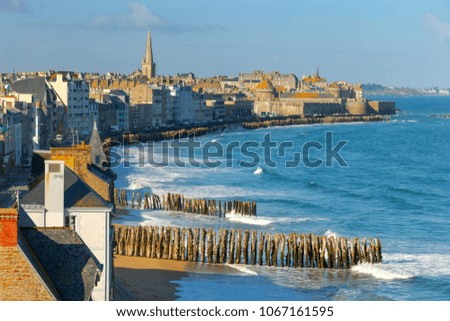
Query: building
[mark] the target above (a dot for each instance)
(21, 277)
(162, 113)
(121, 100)
(140, 117)
(141, 94)
(217, 105)
(282, 82)
(42, 110)
(183, 106)
(237, 106)
(84, 160)
(72, 93)
(74, 219)
(202, 114)
(67, 217)
(42, 264)
(11, 137)
(148, 66)
(316, 97)
(113, 108)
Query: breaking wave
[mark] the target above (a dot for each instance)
(258, 171)
(406, 266)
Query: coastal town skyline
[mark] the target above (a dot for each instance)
(370, 43)
(237, 151)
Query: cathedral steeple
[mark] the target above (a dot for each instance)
(148, 66)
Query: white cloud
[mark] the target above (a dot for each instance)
(138, 16)
(441, 28)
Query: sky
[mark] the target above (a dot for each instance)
(389, 42)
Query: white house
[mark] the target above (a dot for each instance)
(64, 201)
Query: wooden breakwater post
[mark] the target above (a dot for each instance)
(238, 246)
(181, 203)
(308, 120)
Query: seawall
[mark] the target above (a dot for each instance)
(167, 134)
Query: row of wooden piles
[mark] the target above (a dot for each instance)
(289, 121)
(131, 138)
(245, 247)
(181, 203)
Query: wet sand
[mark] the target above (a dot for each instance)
(145, 279)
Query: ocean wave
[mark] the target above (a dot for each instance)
(178, 219)
(380, 271)
(244, 269)
(330, 233)
(249, 220)
(267, 220)
(137, 184)
(290, 220)
(258, 171)
(406, 266)
(312, 184)
(404, 120)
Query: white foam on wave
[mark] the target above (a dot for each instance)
(380, 271)
(249, 220)
(330, 233)
(156, 219)
(266, 220)
(405, 266)
(258, 171)
(243, 269)
(405, 120)
(290, 220)
(136, 184)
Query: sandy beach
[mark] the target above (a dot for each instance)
(145, 279)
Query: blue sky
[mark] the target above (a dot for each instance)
(391, 42)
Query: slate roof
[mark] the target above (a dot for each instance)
(76, 193)
(31, 86)
(67, 261)
(35, 86)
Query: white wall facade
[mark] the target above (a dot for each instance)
(74, 93)
(94, 228)
(54, 193)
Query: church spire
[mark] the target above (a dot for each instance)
(148, 49)
(148, 66)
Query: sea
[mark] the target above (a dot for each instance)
(388, 180)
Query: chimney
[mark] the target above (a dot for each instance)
(54, 193)
(8, 227)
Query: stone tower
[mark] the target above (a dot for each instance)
(148, 66)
